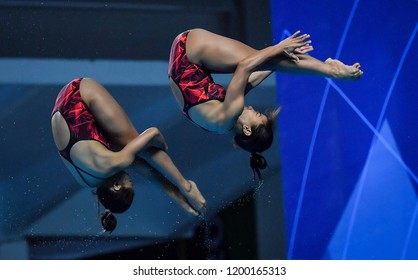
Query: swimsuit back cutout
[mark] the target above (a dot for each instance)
(80, 121)
(195, 81)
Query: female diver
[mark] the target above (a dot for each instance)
(197, 53)
(97, 141)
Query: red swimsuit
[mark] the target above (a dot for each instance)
(80, 121)
(194, 81)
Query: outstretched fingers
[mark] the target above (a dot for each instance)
(295, 34)
(301, 39)
(304, 49)
(296, 44)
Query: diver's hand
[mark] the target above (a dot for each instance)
(295, 44)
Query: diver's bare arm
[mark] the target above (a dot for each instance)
(256, 78)
(264, 59)
(126, 156)
(259, 61)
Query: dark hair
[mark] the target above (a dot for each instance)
(115, 200)
(257, 162)
(259, 141)
(108, 221)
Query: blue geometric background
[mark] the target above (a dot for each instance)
(349, 149)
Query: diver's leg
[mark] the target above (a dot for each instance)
(222, 54)
(162, 162)
(309, 65)
(148, 172)
(107, 112)
(216, 52)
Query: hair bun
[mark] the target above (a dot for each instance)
(257, 162)
(108, 221)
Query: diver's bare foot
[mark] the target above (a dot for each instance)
(182, 201)
(342, 71)
(195, 198)
(179, 197)
(186, 206)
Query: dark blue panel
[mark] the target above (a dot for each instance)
(327, 128)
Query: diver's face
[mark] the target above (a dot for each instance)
(251, 117)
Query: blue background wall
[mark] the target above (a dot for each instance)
(348, 149)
